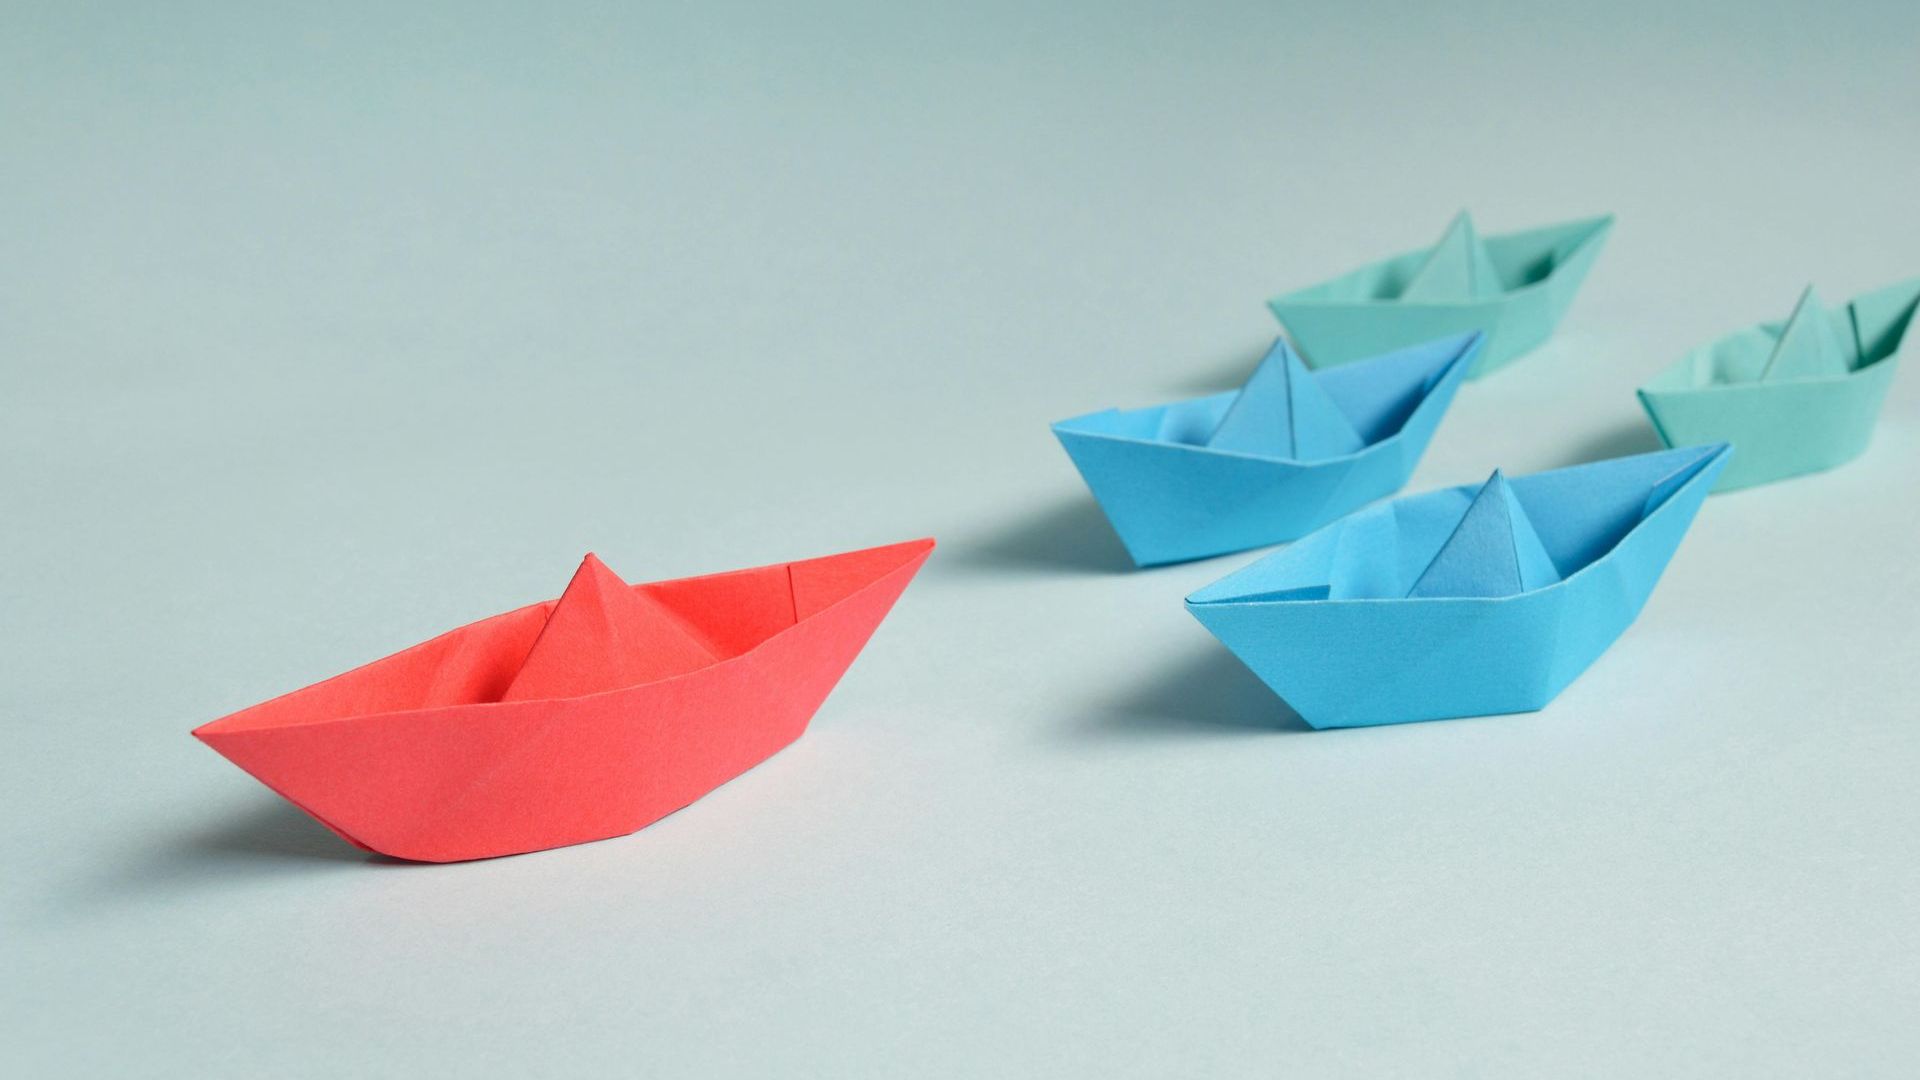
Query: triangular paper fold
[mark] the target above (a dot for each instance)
(603, 635)
(1494, 551)
(1283, 411)
(1809, 347)
(1458, 267)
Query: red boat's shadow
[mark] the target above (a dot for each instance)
(1067, 537)
(266, 840)
(273, 829)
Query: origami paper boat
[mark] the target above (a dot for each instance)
(1283, 455)
(1514, 287)
(577, 719)
(1463, 601)
(1794, 397)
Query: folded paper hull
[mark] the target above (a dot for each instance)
(1349, 662)
(1787, 428)
(1783, 430)
(470, 779)
(1173, 502)
(1356, 315)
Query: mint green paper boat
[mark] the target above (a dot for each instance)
(1514, 287)
(1794, 397)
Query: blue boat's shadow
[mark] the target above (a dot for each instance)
(1069, 537)
(1623, 440)
(1230, 374)
(1202, 692)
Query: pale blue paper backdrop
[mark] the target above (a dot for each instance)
(324, 328)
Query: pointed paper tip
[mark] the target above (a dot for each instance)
(1496, 484)
(1808, 346)
(1283, 411)
(602, 634)
(1279, 356)
(1457, 267)
(1704, 457)
(1492, 551)
(1259, 419)
(591, 566)
(1807, 304)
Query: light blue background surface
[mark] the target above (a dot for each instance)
(323, 332)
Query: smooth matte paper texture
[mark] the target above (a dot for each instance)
(1288, 452)
(1795, 397)
(577, 719)
(1514, 287)
(1467, 601)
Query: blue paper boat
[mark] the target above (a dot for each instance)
(1464, 601)
(1515, 286)
(1283, 455)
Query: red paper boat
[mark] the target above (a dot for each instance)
(576, 719)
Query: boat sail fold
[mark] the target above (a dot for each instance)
(1494, 551)
(1284, 412)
